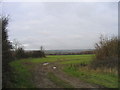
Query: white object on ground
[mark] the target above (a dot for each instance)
(54, 67)
(45, 63)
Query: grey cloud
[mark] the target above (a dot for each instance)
(61, 25)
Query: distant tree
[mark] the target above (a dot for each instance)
(20, 53)
(42, 52)
(18, 50)
(41, 48)
(16, 44)
(6, 54)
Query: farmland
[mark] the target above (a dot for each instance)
(72, 71)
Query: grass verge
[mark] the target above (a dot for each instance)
(22, 76)
(103, 79)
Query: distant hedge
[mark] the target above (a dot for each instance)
(21, 53)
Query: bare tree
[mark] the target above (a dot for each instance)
(16, 44)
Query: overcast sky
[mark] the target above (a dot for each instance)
(61, 25)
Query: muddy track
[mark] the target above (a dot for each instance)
(40, 79)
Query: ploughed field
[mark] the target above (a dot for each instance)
(61, 71)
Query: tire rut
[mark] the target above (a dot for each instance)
(41, 80)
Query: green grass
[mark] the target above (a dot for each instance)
(58, 81)
(86, 59)
(64, 59)
(23, 75)
(107, 80)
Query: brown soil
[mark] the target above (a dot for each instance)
(40, 79)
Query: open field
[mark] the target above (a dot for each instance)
(71, 71)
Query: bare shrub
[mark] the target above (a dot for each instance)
(106, 53)
(106, 47)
